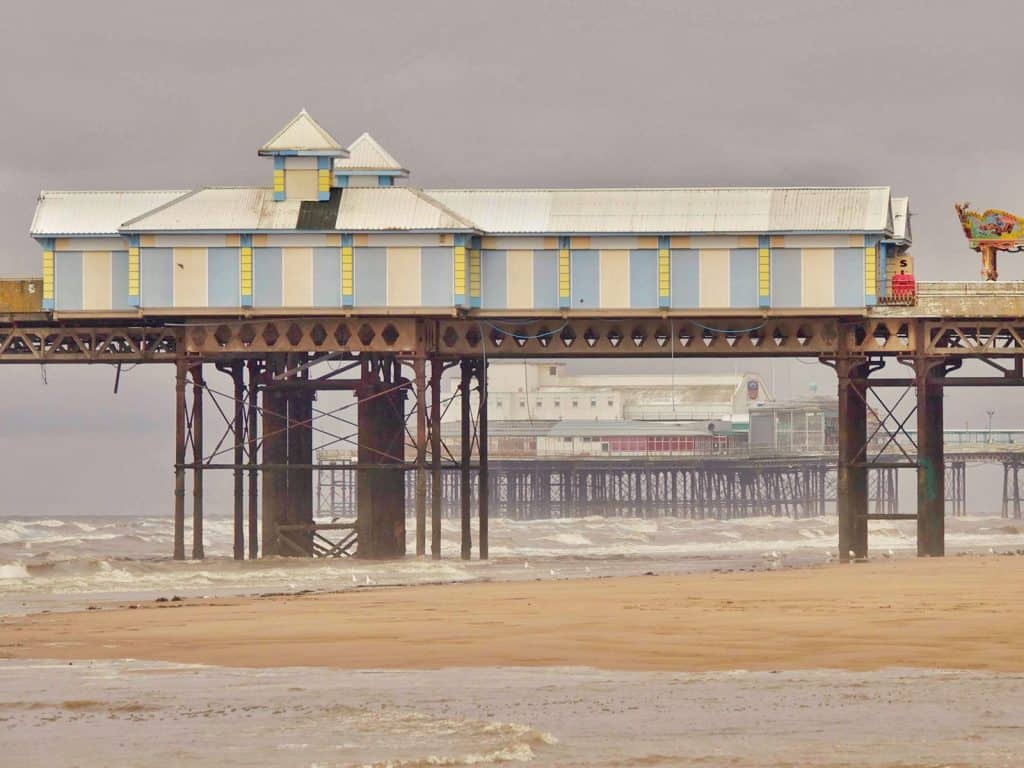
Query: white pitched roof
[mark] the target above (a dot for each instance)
(696, 211)
(366, 154)
(302, 134)
(94, 213)
(247, 209)
(395, 208)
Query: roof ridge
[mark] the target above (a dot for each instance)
(168, 204)
(330, 142)
(439, 205)
(110, 191)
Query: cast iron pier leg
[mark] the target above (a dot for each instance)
(483, 475)
(197, 462)
(237, 368)
(179, 459)
(931, 481)
(275, 452)
(466, 369)
(436, 488)
(852, 474)
(419, 374)
(251, 433)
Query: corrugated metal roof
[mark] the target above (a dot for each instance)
(366, 154)
(94, 213)
(711, 210)
(591, 428)
(220, 209)
(302, 134)
(382, 209)
(388, 209)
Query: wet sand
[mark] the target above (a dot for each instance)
(955, 613)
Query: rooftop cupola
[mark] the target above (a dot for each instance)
(303, 152)
(367, 164)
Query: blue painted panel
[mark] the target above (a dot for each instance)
(327, 277)
(156, 277)
(222, 270)
(436, 281)
(643, 279)
(370, 277)
(849, 277)
(743, 278)
(787, 286)
(685, 268)
(494, 280)
(266, 277)
(119, 281)
(545, 279)
(585, 285)
(67, 280)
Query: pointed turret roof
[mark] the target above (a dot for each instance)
(303, 134)
(366, 154)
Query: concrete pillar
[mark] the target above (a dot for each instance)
(380, 477)
(852, 476)
(931, 481)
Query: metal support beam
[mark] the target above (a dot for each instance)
(931, 492)
(483, 475)
(852, 480)
(238, 430)
(251, 435)
(275, 453)
(181, 369)
(420, 383)
(466, 370)
(436, 489)
(197, 462)
(299, 506)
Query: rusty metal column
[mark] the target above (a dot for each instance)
(465, 489)
(250, 434)
(420, 377)
(436, 489)
(275, 412)
(483, 475)
(299, 510)
(931, 481)
(197, 462)
(852, 473)
(237, 373)
(181, 368)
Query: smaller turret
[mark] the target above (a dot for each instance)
(303, 152)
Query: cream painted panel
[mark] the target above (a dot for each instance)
(297, 277)
(188, 265)
(823, 241)
(96, 280)
(186, 241)
(714, 277)
(403, 240)
(91, 244)
(708, 242)
(404, 277)
(292, 240)
(301, 163)
(618, 242)
(613, 269)
(301, 185)
(819, 280)
(513, 243)
(519, 266)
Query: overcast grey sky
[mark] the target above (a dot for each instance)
(916, 95)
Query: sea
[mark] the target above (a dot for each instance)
(130, 712)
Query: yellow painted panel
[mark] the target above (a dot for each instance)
(563, 273)
(519, 269)
(346, 270)
(818, 277)
(856, 241)
(664, 273)
(189, 266)
(96, 280)
(404, 277)
(764, 275)
(460, 270)
(613, 272)
(47, 274)
(679, 241)
(474, 272)
(296, 277)
(648, 242)
(714, 278)
(579, 242)
(301, 185)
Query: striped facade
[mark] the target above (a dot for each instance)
(291, 270)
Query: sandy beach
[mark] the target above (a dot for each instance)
(956, 613)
